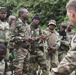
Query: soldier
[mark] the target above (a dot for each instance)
(62, 30)
(65, 41)
(53, 42)
(69, 31)
(37, 52)
(20, 33)
(11, 19)
(68, 64)
(4, 28)
(3, 23)
(3, 63)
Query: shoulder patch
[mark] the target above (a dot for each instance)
(74, 40)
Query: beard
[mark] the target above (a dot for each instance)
(35, 26)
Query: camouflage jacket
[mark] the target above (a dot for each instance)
(37, 44)
(4, 31)
(68, 64)
(53, 39)
(20, 30)
(70, 34)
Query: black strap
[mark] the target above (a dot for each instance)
(6, 66)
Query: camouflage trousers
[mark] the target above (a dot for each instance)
(21, 61)
(38, 62)
(52, 60)
(62, 54)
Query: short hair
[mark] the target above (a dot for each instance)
(21, 11)
(3, 9)
(63, 25)
(11, 16)
(71, 5)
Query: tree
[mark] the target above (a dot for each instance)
(47, 9)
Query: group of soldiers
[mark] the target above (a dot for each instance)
(27, 49)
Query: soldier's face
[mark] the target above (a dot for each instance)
(2, 54)
(25, 15)
(51, 27)
(70, 27)
(11, 20)
(72, 16)
(3, 15)
(36, 21)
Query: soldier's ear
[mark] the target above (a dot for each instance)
(72, 13)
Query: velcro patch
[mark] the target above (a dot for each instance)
(74, 40)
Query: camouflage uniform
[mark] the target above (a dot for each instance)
(3, 61)
(53, 40)
(4, 26)
(68, 64)
(4, 31)
(65, 41)
(70, 35)
(37, 52)
(20, 31)
(64, 47)
(2, 67)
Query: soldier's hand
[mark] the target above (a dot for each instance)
(53, 49)
(42, 37)
(31, 39)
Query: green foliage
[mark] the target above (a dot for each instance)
(66, 19)
(47, 9)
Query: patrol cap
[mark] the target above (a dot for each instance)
(3, 9)
(52, 22)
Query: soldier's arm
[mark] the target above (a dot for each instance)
(67, 65)
(57, 43)
(66, 43)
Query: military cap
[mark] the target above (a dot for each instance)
(52, 22)
(3, 9)
(36, 16)
(2, 47)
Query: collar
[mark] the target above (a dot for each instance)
(50, 30)
(2, 61)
